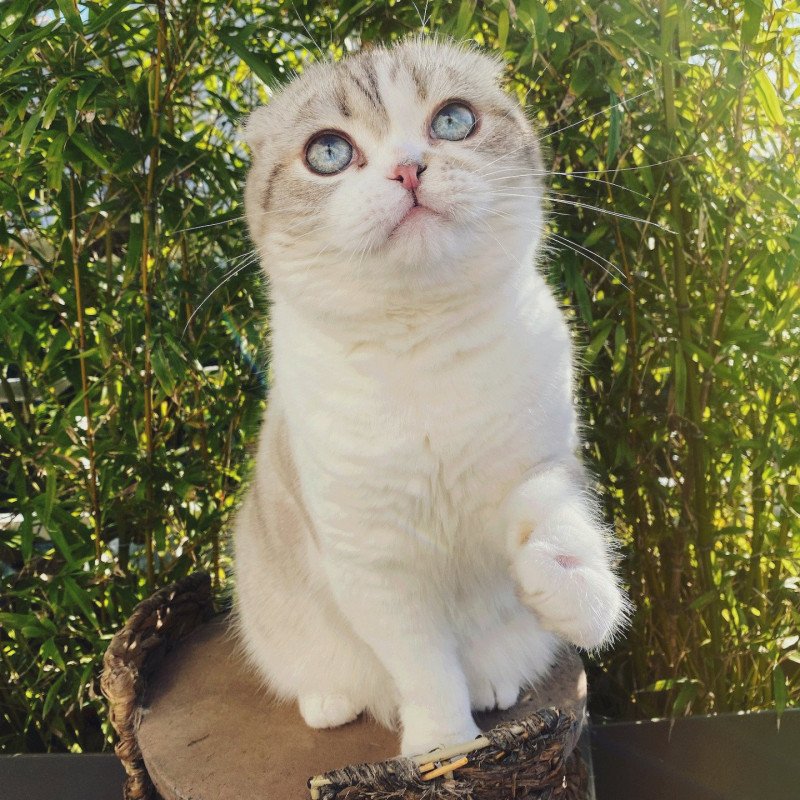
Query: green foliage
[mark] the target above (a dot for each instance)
(127, 393)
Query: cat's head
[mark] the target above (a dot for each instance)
(393, 172)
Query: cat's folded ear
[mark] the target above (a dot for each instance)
(256, 129)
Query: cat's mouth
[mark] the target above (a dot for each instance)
(418, 212)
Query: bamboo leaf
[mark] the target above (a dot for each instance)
(597, 342)
(49, 650)
(502, 29)
(162, 370)
(620, 349)
(256, 64)
(768, 98)
(60, 541)
(684, 699)
(52, 693)
(70, 12)
(28, 130)
(779, 689)
(80, 597)
(88, 149)
(598, 232)
(115, 12)
(465, 11)
(49, 495)
(88, 87)
(753, 9)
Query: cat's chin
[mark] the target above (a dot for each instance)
(417, 219)
(423, 241)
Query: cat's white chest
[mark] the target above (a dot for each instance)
(422, 442)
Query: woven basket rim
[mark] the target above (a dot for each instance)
(445, 761)
(154, 627)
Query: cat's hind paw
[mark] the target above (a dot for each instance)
(485, 696)
(327, 710)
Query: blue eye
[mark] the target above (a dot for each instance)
(454, 122)
(328, 154)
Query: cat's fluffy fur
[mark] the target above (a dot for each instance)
(417, 539)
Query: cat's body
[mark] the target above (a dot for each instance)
(416, 535)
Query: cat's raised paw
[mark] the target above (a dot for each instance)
(327, 710)
(578, 600)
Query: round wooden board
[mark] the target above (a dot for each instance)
(209, 731)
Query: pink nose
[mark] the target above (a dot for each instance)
(408, 175)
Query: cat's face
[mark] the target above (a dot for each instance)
(393, 171)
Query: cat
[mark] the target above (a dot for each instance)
(417, 540)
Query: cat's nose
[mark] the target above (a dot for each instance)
(408, 174)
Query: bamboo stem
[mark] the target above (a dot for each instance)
(87, 410)
(759, 500)
(783, 534)
(693, 424)
(147, 223)
(720, 302)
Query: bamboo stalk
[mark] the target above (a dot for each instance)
(721, 299)
(147, 223)
(783, 533)
(759, 501)
(87, 410)
(669, 13)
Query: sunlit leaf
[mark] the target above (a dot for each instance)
(768, 98)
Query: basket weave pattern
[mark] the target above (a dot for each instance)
(135, 652)
(528, 759)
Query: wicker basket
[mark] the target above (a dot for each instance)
(194, 723)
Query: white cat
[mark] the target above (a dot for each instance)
(417, 539)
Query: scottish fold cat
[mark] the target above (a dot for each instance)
(417, 540)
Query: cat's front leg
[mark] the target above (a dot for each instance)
(561, 558)
(387, 607)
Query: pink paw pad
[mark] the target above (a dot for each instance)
(567, 562)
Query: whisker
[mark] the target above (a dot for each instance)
(545, 190)
(230, 276)
(310, 36)
(356, 249)
(592, 256)
(234, 262)
(313, 229)
(483, 173)
(619, 214)
(290, 39)
(568, 175)
(419, 14)
(592, 208)
(510, 153)
(500, 244)
(600, 169)
(550, 213)
(603, 111)
(207, 225)
(496, 211)
(629, 169)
